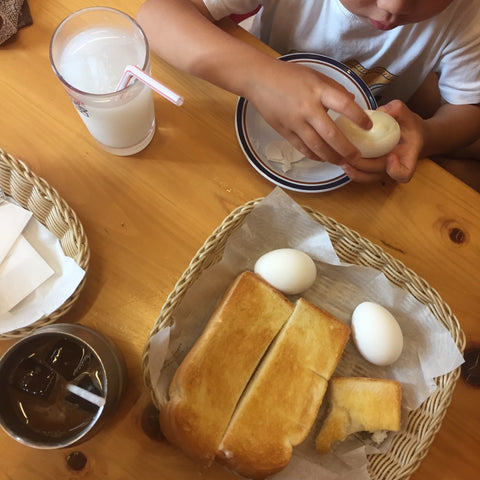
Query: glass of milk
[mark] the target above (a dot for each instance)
(89, 51)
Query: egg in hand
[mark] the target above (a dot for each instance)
(379, 140)
(289, 270)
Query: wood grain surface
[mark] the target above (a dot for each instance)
(146, 216)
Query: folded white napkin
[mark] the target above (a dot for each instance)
(12, 222)
(21, 272)
(36, 277)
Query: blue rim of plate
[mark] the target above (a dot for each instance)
(283, 180)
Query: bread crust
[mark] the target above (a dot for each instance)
(280, 405)
(359, 404)
(207, 385)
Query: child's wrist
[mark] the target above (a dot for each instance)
(427, 136)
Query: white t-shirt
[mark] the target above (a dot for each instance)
(393, 63)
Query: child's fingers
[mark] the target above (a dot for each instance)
(340, 100)
(400, 170)
(298, 143)
(337, 98)
(328, 142)
(360, 176)
(369, 165)
(307, 141)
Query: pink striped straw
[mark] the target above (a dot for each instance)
(134, 71)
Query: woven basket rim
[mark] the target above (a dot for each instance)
(34, 193)
(409, 446)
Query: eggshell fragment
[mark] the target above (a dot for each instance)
(283, 152)
(379, 140)
(289, 270)
(377, 334)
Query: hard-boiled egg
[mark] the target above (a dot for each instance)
(289, 270)
(377, 334)
(379, 140)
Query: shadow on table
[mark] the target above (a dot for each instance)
(465, 169)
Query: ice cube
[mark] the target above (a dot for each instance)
(69, 359)
(33, 378)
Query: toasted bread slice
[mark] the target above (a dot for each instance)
(282, 400)
(207, 385)
(359, 404)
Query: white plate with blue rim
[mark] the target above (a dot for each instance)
(255, 134)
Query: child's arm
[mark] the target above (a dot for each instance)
(292, 98)
(451, 128)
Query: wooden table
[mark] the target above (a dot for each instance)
(147, 215)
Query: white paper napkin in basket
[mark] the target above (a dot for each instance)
(12, 222)
(52, 276)
(21, 272)
(276, 222)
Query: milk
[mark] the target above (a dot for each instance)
(93, 62)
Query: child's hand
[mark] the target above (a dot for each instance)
(294, 100)
(401, 162)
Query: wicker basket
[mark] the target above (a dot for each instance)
(409, 446)
(34, 194)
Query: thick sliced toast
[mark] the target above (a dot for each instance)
(207, 385)
(282, 400)
(359, 404)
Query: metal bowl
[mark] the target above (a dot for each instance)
(59, 383)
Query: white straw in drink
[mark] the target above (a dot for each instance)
(86, 395)
(155, 85)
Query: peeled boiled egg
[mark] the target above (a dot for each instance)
(377, 334)
(379, 140)
(289, 270)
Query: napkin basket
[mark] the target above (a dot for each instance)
(409, 446)
(36, 195)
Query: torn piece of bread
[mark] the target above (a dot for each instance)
(280, 405)
(207, 385)
(359, 404)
